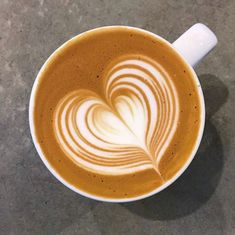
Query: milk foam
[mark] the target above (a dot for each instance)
(130, 129)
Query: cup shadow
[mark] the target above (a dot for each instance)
(199, 181)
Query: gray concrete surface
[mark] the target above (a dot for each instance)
(32, 201)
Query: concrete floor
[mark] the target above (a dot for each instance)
(32, 201)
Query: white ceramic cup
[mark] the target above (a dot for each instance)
(192, 46)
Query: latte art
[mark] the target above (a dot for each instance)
(116, 113)
(126, 130)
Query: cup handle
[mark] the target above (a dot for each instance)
(195, 43)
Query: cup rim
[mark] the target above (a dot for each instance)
(92, 196)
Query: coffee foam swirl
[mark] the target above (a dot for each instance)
(126, 131)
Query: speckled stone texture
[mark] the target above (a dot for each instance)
(32, 201)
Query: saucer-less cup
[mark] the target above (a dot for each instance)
(192, 47)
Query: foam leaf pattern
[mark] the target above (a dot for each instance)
(127, 131)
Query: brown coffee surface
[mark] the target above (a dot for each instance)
(82, 71)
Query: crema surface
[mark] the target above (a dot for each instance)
(117, 112)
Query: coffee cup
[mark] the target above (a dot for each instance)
(191, 47)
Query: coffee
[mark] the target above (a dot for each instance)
(117, 112)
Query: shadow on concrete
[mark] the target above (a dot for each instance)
(200, 180)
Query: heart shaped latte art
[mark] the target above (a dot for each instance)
(127, 131)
